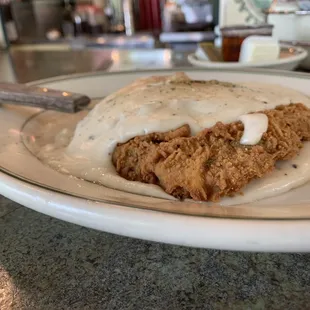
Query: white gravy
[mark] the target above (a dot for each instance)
(255, 125)
(157, 105)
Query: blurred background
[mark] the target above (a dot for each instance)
(45, 30)
(38, 21)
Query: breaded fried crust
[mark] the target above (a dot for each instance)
(213, 163)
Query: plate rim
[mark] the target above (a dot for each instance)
(254, 70)
(243, 235)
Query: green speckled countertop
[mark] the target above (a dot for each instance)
(49, 264)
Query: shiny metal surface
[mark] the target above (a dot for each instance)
(102, 41)
(30, 63)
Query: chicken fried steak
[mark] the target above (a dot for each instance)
(213, 163)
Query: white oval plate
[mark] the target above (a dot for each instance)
(275, 224)
(305, 45)
(290, 58)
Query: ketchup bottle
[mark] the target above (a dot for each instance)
(150, 15)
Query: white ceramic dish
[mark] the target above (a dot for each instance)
(305, 64)
(290, 58)
(276, 224)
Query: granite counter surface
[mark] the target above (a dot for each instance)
(49, 264)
